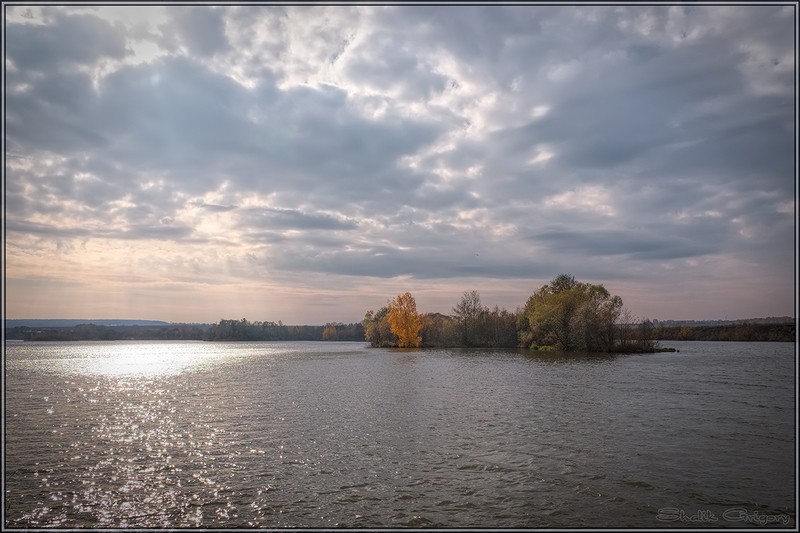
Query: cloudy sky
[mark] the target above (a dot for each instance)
(305, 164)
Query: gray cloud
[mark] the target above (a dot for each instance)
(428, 263)
(201, 28)
(133, 232)
(634, 244)
(215, 207)
(36, 49)
(293, 219)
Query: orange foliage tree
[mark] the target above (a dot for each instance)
(404, 321)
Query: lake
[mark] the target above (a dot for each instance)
(315, 434)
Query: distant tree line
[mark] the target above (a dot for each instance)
(93, 332)
(244, 330)
(225, 330)
(694, 323)
(732, 332)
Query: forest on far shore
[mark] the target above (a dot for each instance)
(730, 332)
(224, 330)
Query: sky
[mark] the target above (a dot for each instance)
(308, 163)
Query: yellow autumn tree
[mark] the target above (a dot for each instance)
(329, 333)
(404, 321)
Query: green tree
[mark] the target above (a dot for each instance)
(573, 316)
(377, 330)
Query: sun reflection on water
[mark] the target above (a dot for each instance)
(132, 433)
(149, 360)
(122, 359)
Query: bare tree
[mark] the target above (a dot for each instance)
(467, 312)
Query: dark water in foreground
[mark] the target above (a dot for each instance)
(185, 434)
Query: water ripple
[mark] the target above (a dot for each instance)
(325, 435)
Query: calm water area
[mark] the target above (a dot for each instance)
(315, 434)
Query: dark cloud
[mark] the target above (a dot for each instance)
(424, 263)
(67, 42)
(143, 231)
(216, 208)
(36, 228)
(292, 219)
(201, 28)
(385, 65)
(54, 113)
(133, 232)
(637, 245)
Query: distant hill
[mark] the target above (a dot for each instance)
(767, 320)
(70, 322)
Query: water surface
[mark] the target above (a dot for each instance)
(188, 434)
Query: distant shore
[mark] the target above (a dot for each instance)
(349, 332)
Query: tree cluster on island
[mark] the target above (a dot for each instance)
(564, 315)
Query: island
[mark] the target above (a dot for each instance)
(564, 315)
